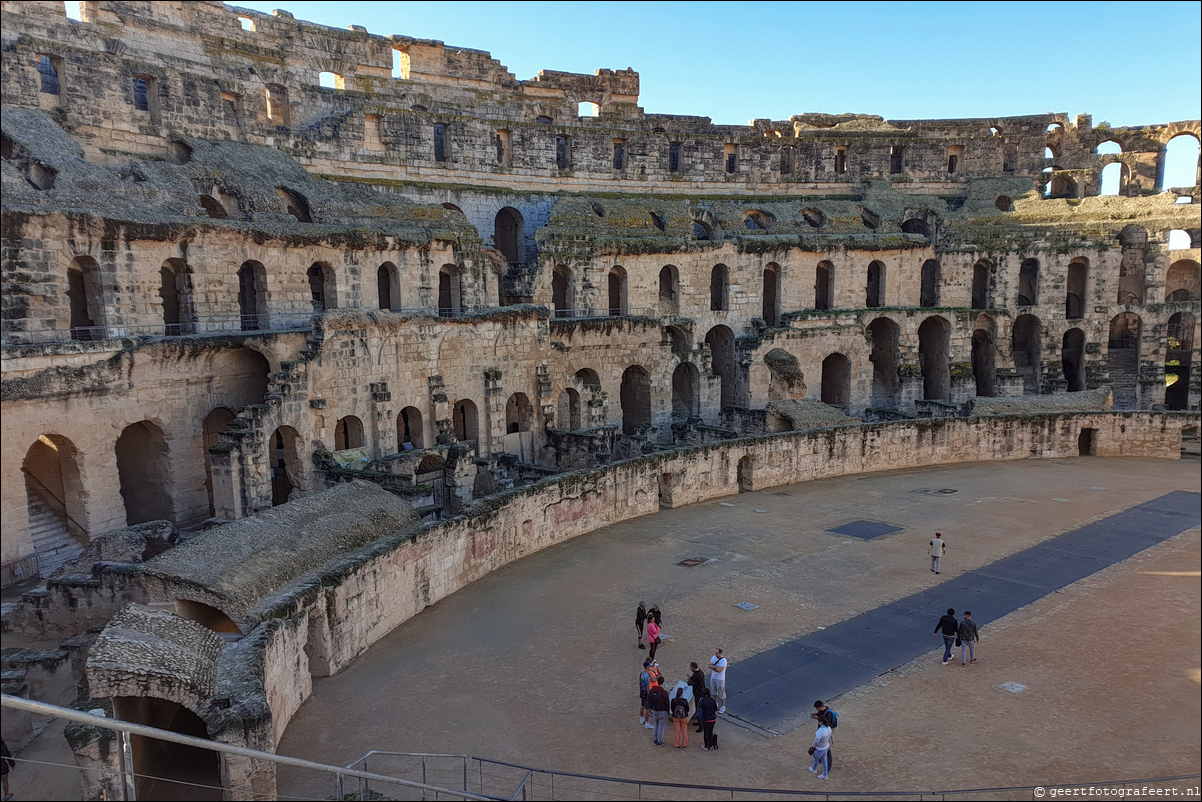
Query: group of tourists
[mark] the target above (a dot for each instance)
(697, 700)
(963, 634)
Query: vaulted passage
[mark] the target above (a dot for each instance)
(719, 289)
(409, 434)
(323, 287)
(467, 422)
(175, 291)
(1075, 289)
(519, 414)
(144, 471)
(561, 292)
(874, 293)
(836, 381)
(685, 384)
(509, 233)
(1028, 283)
(1072, 359)
(54, 499)
(214, 424)
(348, 433)
(165, 770)
(1122, 357)
(771, 305)
(388, 287)
(721, 341)
(933, 337)
(984, 356)
(884, 334)
(929, 295)
(450, 292)
(617, 292)
(636, 399)
(568, 410)
(1178, 358)
(824, 286)
(252, 296)
(669, 290)
(283, 456)
(86, 298)
(1026, 347)
(980, 285)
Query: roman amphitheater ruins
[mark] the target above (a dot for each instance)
(285, 364)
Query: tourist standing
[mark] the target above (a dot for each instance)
(936, 549)
(652, 635)
(825, 715)
(696, 681)
(949, 627)
(644, 689)
(680, 719)
(640, 617)
(7, 764)
(819, 749)
(707, 712)
(969, 635)
(718, 680)
(658, 702)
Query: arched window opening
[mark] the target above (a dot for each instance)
(348, 433)
(277, 104)
(636, 400)
(86, 297)
(284, 458)
(984, 358)
(1072, 359)
(54, 497)
(252, 296)
(568, 410)
(1177, 363)
(702, 231)
(875, 287)
(929, 292)
(681, 342)
(450, 292)
(885, 336)
(1133, 267)
(980, 285)
(1180, 165)
(467, 422)
(916, 226)
(409, 432)
(813, 218)
(589, 378)
(1026, 347)
(143, 470)
(206, 615)
(758, 220)
(1181, 282)
(1178, 240)
(669, 290)
(331, 80)
(562, 297)
(519, 414)
(933, 337)
(771, 298)
(175, 290)
(617, 292)
(1114, 179)
(509, 233)
(214, 424)
(824, 286)
(296, 203)
(720, 288)
(723, 364)
(1122, 357)
(323, 287)
(1028, 283)
(685, 391)
(1075, 289)
(388, 287)
(213, 207)
(836, 381)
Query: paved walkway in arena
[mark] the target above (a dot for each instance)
(777, 688)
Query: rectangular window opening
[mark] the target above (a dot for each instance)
(49, 69)
(619, 154)
(674, 157)
(731, 159)
(786, 161)
(440, 144)
(504, 148)
(841, 160)
(231, 107)
(896, 159)
(563, 152)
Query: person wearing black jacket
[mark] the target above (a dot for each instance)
(707, 711)
(7, 764)
(949, 626)
(696, 681)
(658, 702)
(640, 618)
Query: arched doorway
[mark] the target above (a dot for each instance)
(348, 433)
(720, 288)
(175, 291)
(1178, 356)
(1180, 166)
(252, 296)
(54, 500)
(409, 433)
(568, 410)
(933, 349)
(284, 459)
(85, 294)
(824, 286)
(450, 292)
(874, 293)
(836, 381)
(721, 341)
(1122, 357)
(1028, 283)
(980, 285)
(562, 298)
(519, 414)
(467, 422)
(509, 233)
(165, 770)
(929, 292)
(323, 287)
(1072, 359)
(1075, 289)
(771, 305)
(1026, 347)
(214, 424)
(1181, 282)
(669, 290)
(884, 334)
(636, 399)
(984, 356)
(1133, 268)
(388, 287)
(685, 387)
(617, 291)
(142, 467)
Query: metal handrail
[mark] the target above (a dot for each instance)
(126, 729)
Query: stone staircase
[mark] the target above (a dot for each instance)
(1124, 377)
(51, 539)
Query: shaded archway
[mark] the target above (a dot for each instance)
(617, 291)
(214, 424)
(1122, 358)
(874, 290)
(409, 432)
(680, 339)
(1178, 358)
(519, 414)
(175, 291)
(1133, 268)
(685, 389)
(450, 292)
(85, 295)
(885, 335)
(721, 341)
(984, 356)
(669, 290)
(824, 286)
(323, 287)
(929, 292)
(1181, 282)
(284, 458)
(467, 421)
(933, 351)
(1072, 359)
(143, 470)
(1075, 288)
(562, 297)
(636, 399)
(54, 497)
(567, 413)
(719, 288)
(1026, 348)
(388, 287)
(836, 381)
(771, 298)
(980, 285)
(165, 770)
(252, 296)
(348, 433)
(509, 233)
(1028, 283)
(589, 378)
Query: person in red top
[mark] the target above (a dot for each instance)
(652, 636)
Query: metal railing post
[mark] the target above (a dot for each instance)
(465, 773)
(129, 790)
(338, 792)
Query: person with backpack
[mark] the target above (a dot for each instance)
(644, 689)
(652, 634)
(829, 717)
(707, 712)
(640, 618)
(820, 748)
(680, 719)
(950, 628)
(658, 703)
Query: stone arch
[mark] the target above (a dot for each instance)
(771, 296)
(1181, 282)
(1026, 346)
(165, 770)
(85, 292)
(175, 292)
(323, 286)
(686, 385)
(916, 226)
(929, 291)
(874, 289)
(589, 378)
(1179, 156)
(1122, 357)
(824, 286)
(519, 414)
(252, 296)
(617, 291)
(721, 341)
(466, 419)
(836, 381)
(54, 495)
(568, 410)
(1178, 358)
(216, 422)
(984, 356)
(1028, 283)
(1075, 288)
(1072, 359)
(283, 455)
(1133, 268)
(388, 287)
(636, 399)
(680, 338)
(348, 433)
(562, 296)
(410, 434)
(450, 291)
(933, 352)
(144, 471)
(720, 288)
(885, 337)
(980, 285)
(509, 233)
(669, 290)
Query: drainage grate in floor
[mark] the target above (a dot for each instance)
(865, 530)
(692, 562)
(936, 491)
(947, 491)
